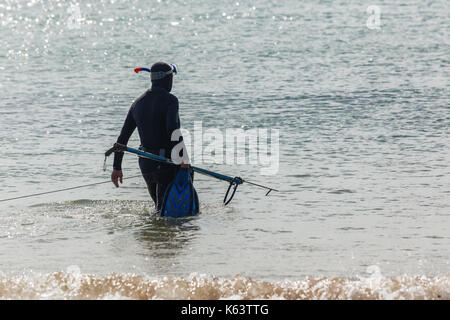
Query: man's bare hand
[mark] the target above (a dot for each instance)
(116, 176)
(185, 165)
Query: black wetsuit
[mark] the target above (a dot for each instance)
(155, 114)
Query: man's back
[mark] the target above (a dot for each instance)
(155, 114)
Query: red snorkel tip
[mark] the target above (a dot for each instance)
(137, 70)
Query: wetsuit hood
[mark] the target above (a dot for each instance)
(165, 82)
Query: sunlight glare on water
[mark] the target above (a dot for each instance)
(363, 115)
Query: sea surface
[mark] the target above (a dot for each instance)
(359, 96)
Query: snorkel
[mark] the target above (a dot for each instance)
(161, 74)
(158, 75)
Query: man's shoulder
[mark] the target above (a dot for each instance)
(140, 98)
(169, 97)
(172, 97)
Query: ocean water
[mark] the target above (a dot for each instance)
(362, 107)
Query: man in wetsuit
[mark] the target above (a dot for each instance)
(155, 114)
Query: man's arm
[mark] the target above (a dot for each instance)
(172, 118)
(173, 123)
(125, 134)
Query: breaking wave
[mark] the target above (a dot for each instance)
(73, 285)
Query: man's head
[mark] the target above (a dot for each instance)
(161, 75)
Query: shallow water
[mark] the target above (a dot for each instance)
(364, 171)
